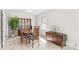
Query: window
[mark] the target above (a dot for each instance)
(44, 23)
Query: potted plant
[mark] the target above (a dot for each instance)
(14, 23)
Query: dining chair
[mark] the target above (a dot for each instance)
(33, 36)
(36, 33)
(24, 36)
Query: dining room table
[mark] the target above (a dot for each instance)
(25, 33)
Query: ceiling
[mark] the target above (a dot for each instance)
(34, 11)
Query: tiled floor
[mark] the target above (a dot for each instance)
(15, 44)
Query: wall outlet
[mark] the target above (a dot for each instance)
(75, 45)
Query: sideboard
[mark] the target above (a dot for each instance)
(57, 38)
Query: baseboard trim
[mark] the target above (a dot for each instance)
(71, 46)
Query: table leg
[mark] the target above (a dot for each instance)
(21, 40)
(38, 42)
(29, 40)
(62, 44)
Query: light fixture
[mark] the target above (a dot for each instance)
(29, 10)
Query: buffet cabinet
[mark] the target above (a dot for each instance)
(57, 38)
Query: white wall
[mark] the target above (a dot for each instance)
(67, 20)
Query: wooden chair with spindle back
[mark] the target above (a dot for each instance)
(36, 33)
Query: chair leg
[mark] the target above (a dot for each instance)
(21, 40)
(29, 40)
(26, 41)
(32, 43)
(38, 42)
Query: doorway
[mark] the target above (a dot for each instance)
(1, 30)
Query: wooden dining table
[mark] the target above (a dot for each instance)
(25, 31)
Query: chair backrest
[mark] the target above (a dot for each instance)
(36, 31)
